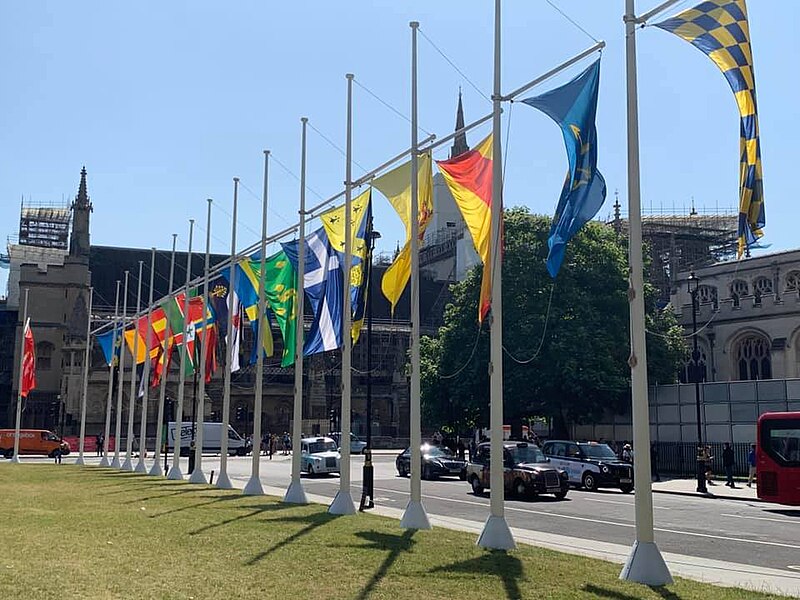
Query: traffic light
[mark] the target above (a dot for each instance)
(169, 411)
(240, 413)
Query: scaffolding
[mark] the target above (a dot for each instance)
(44, 226)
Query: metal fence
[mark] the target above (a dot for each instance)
(680, 459)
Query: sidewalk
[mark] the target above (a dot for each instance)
(688, 487)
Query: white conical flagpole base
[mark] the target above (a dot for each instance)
(342, 504)
(16, 459)
(156, 469)
(253, 487)
(80, 461)
(646, 565)
(415, 516)
(224, 482)
(295, 494)
(141, 467)
(127, 465)
(115, 463)
(104, 462)
(198, 477)
(496, 535)
(175, 473)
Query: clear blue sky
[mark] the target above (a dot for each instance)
(165, 102)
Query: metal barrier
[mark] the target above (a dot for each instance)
(680, 458)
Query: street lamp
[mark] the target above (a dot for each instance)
(367, 490)
(695, 372)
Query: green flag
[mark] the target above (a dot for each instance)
(280, 286)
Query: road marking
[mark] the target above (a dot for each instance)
(630, 504)
(793, 567)
(613, 523)
(762, 519)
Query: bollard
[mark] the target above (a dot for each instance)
(211, 479)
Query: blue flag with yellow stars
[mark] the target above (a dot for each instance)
(574, 106)
(720, 30)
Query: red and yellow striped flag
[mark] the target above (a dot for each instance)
(469, 178)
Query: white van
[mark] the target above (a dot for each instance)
(212, 436)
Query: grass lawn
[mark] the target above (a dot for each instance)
(71, 532)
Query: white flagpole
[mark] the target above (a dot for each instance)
(415, 516)
(140, 466)
(254, 487)
(295, 493)
(128, 464)
(496, 534)
(645, 563)
(175, 469)
(16, 459)
(156, 469)
(343, 502)
(120, 375)
(223, 481)
(197, 475)
(107, 431)
(82, 439)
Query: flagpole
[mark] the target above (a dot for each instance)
(223, 481)
(175, 469)
(496, 534)
(295, 493)
(82, 440)
(254, 487)
(128, 464)
(156, 469)
(645, 563)
(197, 475)
(107, 431)
(16, 459)
(140, 466)
(415, 516)
(120, 375)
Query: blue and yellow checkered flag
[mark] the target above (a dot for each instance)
(719, 29)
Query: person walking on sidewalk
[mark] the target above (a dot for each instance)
(728, 462)
(751, 463)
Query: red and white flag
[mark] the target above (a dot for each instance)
(28, 362)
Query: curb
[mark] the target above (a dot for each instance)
(708, 496)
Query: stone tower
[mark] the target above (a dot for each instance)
(79, 238)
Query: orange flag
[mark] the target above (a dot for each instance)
(28, 362)
(469, 178)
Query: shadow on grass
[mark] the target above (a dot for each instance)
(602, 592)
(500, 564)
(183, 490)
(257, 510)
(396, 544)
(314, 520)
(213, 500)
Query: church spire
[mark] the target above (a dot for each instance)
(81, 207)
(82, 199)
(460, 142)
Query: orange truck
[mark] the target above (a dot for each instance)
(32, 441)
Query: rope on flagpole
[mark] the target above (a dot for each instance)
(469, 360)
(387, 105)
(452, 64)
(571, 20)
(544, 333)
(333, 144)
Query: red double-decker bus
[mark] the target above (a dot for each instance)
(778, 458)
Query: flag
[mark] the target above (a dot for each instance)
(333, 222)
(469, 179)
(221, 300)
(248, 278)
(173, 310)
(158, 318)
(396, 186)
(323, 284)
(28, 362)
(110, 345)
(574, 106)
(720, 30)
(281, 289)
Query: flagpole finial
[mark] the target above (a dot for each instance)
(266, 152)
(349, 76)
(236, 179)
(304, 119)
(414, 24)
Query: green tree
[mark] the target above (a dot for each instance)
(570, 366)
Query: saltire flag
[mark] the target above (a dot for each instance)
(110, 345)
(280, 286)
(28, 362)
(323, 284)
(396, 186)
(221, 300)
(719, 29)
(469, 179)
(573, 106)
(360, 217)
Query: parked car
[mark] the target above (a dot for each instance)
(32, 441)
(357, 445)
(527, 472)
(590, 465)
(319, 455)
(437, 461)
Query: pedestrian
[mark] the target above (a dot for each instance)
(57, 456)
(472, 447)
(728, 462)
(285, 443)
(99, 444)
(751, 463)
(437, 438)
(654, 460)
(271, 445)
(707, 458)
(462, 450)
(627, 453)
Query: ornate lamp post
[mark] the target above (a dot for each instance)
(367, 488)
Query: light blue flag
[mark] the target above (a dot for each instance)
(323, 284)
(574, 106)
(106, 343)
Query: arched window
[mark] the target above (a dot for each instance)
(740, 288)
(707, 294)
(793, 281)
(752, 358)
(762, 285)
(685, 375)
(44, 356)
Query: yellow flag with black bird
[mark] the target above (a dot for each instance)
(719, 28)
